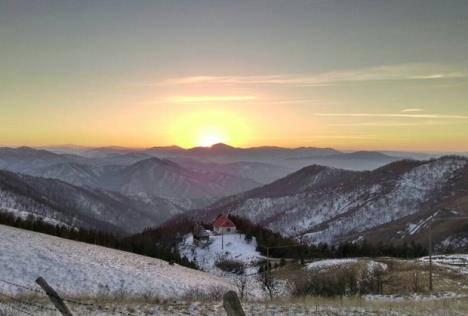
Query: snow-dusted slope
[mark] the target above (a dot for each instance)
(456, 262)
(330, 205)
(77, 174)
(76, 268)
(57, 201)
(151, 178)
(26, 158)
(235, 248)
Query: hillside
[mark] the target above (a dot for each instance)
(359, 160)
(78, 269)
(258, 171)
(26, 158)
(59, 202)
(166, 179)
(330, 205)
(132, 173)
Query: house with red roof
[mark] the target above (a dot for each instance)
(223, 225)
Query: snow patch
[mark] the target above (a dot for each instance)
(413, 297)
(458, 262)
(374, 266)
(330, 263)
(206, 255)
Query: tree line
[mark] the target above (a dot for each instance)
(293, 249)
(142, 244)
(162, 242)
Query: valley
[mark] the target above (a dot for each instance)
(303, 225)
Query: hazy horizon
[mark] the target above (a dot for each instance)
(85, 147)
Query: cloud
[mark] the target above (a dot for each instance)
(412, 110)
(379, 73)
(210, 98)
(395, 115)
(392, 123)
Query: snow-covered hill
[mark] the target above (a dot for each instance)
(331, 205)
(79, 269)
(59, 202)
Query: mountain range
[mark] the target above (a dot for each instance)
(126, 190)
(323, 204)
(286, 157)
(146, 178)
(58, 202)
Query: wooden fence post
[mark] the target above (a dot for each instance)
(54, 297)
(232, 304)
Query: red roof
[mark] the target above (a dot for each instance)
(222, 221)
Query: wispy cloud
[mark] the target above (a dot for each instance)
(412, 110)
(387, 72)
(210, 98)
(346, 136)
(395, 115)
(392, 123)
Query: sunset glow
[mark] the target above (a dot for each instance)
(189, 74)
(208, 99)
(207, 127)
(209, 138)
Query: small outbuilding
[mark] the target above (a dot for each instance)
(223, 225)
(200, 234)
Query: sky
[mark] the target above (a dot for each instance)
(387, 75)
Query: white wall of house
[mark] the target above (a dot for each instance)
(225, 230)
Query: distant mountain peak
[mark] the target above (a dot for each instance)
(172, 147)
(155, 161)
(315, 168)
(221, 146)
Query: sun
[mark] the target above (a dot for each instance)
(206, 127)
(209, 140)
(207, 137)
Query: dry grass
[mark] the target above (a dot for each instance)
(409, 276)
(404, 277)
(292, 306)
(303, 306)
(380, 307)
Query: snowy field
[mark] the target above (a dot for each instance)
(330, 264)
(235, 248)
(79, 269)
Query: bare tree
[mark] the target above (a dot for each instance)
(269, 284)
(240, 281)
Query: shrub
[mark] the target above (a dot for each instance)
(282, 262)
(231, 266)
